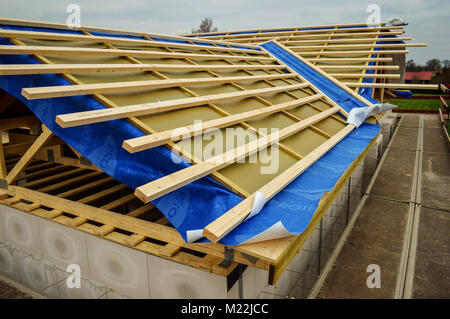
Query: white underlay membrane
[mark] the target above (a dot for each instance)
(359, 114)
(275, 231)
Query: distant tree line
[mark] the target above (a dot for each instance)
(442, 69)
(430, 65)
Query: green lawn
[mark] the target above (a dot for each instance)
(417, 104)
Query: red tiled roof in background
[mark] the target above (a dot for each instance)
(423, 76)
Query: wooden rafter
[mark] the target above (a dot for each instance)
(84, 29)
(358, 67)
(46, 50)
(345, 40)
(406, 86)
(344, 59)
(19, 69)
(320, 31)
(350, 53)
(364, 75)
(116, 40)
(45, 136)
(357, 46)
(268, 37)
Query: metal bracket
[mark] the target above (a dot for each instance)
(50, 155)
(250, 258)
(229, 258)
(3, 184)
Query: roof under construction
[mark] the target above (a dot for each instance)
(356, 54)
(131, 102)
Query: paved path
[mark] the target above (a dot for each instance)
(404, 224)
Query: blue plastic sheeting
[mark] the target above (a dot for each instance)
(24, 28)
(388, 36)
(197, 204)
(284, 30)
(101, 143)
(334, 92)
(295, 205)
(312, 29)
(367, 92)
(407, 94)
(207, 35)
(203, 43)
(169, 40)
(353, 26)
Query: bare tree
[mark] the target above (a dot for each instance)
(446, 63)
(411, 66)
(433, 64)
(205, 26)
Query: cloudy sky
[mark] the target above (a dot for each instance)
(429, 20)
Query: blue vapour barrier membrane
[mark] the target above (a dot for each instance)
(334, 92)
(367, 92)
(197, 204)
(25, 28)
(407, 94)
(101, 143)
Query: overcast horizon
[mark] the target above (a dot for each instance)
(428, 20)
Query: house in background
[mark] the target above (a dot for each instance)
(423, 77)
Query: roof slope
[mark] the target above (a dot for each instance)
(353, 53)
(105, 88)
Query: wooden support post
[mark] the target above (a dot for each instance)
(45, 136)
(3, 171)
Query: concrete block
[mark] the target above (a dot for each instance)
(118, 267)
(9, 261)
(21, 230)
(63, 245)
(172, 280)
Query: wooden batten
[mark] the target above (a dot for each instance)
(169, 183)
(84, 89)
(89, 117)
(58, 51)
(228, 221)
